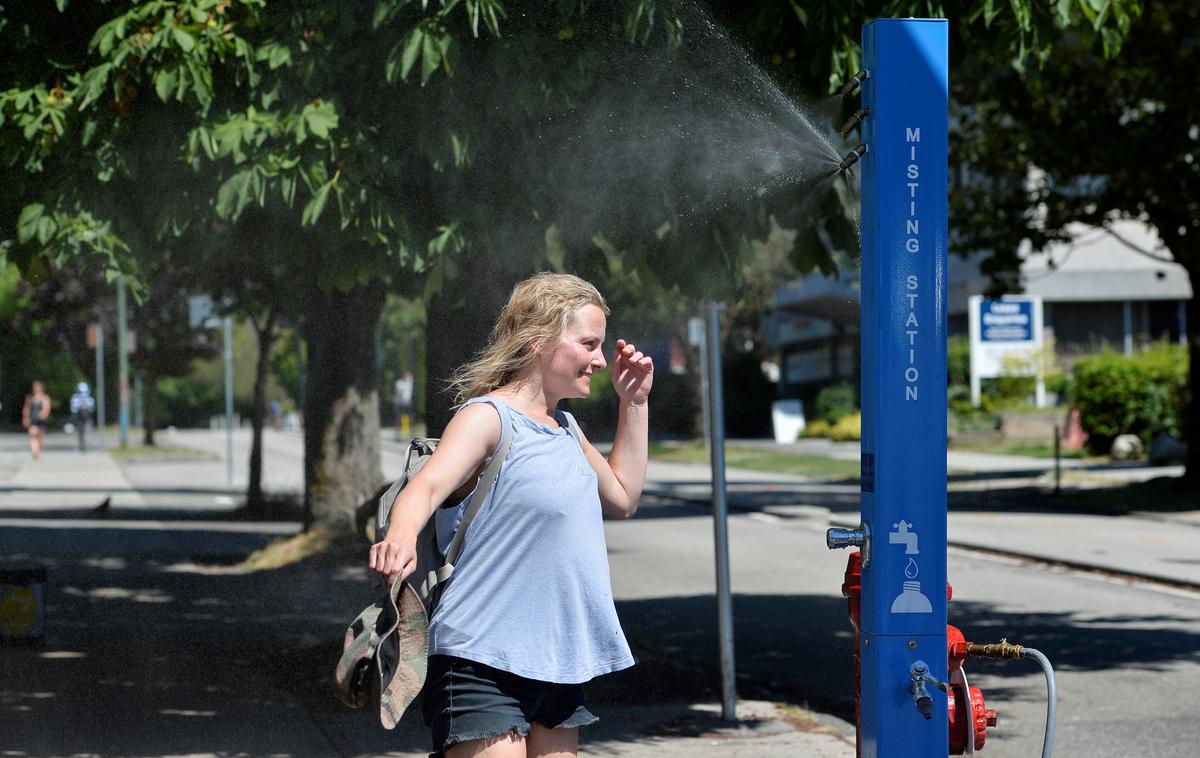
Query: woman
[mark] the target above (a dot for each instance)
(528, 616)
(34, 416)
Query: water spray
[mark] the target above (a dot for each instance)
(852, 85)
(852, 157)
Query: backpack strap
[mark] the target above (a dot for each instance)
(482, 488)
(573, 425)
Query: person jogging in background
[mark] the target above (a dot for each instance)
(528, 616)
(35, 416)
(83, 407)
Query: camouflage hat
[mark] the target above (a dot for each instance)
(384, 654)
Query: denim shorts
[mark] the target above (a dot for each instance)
(464, 700)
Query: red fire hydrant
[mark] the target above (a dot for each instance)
(974, 718)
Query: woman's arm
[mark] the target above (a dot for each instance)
(25, 420)
(470, 438)
(622, 477)
(46, 408)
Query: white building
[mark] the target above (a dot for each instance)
(1118, 289)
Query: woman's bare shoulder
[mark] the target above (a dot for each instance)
(477, 421)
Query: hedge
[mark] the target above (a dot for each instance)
(1143, 394)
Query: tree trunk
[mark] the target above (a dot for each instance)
(150, 409)
(341, 406)
(258, 411)
(1191, 427)
(459, 320)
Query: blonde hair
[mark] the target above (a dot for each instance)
(537, 313)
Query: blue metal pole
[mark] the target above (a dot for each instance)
(904, 387)
(122, 364)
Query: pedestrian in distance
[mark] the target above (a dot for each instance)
(34, 417)
(83, 406)
(527, 617)
(402, 401)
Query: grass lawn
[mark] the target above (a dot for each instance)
(758, 459)
(139, 452)
(1031, 449)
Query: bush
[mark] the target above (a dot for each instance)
(847, 428)
(1144, 394)
(958, 360)
(835, 402)
(187, 402)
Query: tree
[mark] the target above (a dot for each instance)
(465, 143)
(1093, 140)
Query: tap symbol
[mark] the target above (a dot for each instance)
(904, 537)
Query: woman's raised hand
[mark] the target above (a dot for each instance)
(632, 373)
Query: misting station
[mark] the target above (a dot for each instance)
(912, 695)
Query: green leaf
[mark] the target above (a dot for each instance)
(33, 125)
(183, 38)
(320, 117)
(164, 83)
(104, 39)
(27, 221)
(801, 14)
(990, 11)
(279, 56)
(312, 211)
(411, 49)
(46, 227)
(93, 84)
(430, 57)
(237, 192)
(1023, 14)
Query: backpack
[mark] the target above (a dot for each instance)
(433, 569)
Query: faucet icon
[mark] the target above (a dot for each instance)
(904, 537)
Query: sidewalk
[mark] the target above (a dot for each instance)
(1151, 545)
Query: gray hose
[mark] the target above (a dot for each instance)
(1051, 697)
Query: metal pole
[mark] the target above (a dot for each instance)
(139, 418)
(1057, 461)
(229, 400)
(122, 365)
(703, 389)
(99, 385)
(716, 434)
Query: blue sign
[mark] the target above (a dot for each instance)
(1006, 321)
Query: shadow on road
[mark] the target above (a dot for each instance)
(149, 654)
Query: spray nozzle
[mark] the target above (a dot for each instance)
(852, 157)
(851, 85)
(854, 121)
(919, 676)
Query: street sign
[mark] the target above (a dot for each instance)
(200, 310)
(1006, 340)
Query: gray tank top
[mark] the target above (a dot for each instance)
(531, 592)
